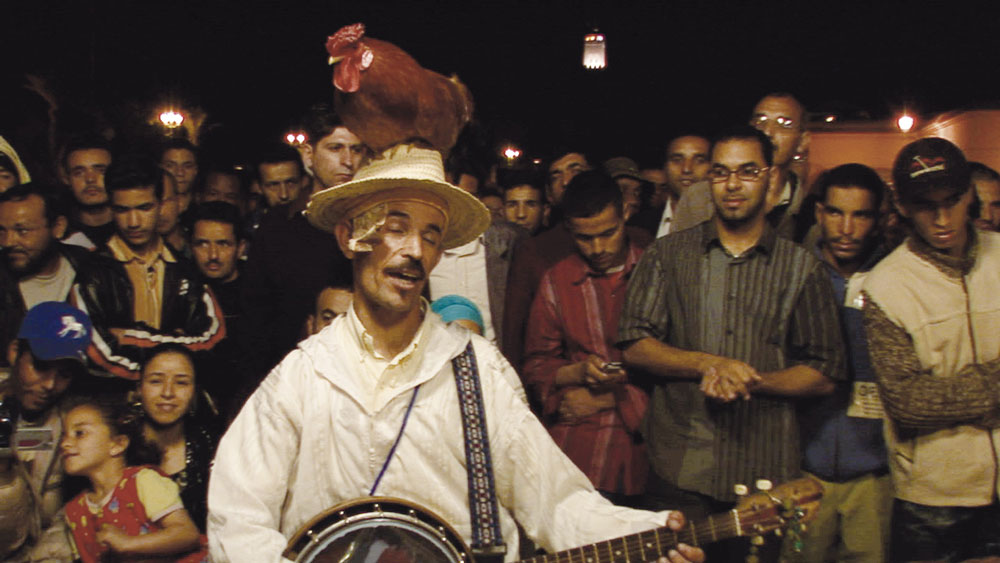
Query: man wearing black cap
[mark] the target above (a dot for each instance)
(932, 316)
(45, 358)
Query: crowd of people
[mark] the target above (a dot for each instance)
(646, 339)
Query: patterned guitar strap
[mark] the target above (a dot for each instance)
(487, 542)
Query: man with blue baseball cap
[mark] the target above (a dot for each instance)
(48, 353)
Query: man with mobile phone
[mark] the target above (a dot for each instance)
(46, 357)
(590, 405)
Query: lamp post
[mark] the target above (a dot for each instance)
(510, 153)
(295, 138)
(171, 119)
(595, 54)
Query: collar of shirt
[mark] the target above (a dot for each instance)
(949, 265)
(124, 254)
(584, 271)
(365, 343)
(874, 256)
(765, 245)
(343, 353)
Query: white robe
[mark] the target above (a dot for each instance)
(318, 429)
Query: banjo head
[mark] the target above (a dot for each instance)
(377, 530)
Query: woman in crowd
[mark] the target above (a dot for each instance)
(168, 392)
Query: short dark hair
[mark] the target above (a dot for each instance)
(179, 144)
(670, 141)
(277, 153)
(748, 133)
(489, 190)
(522, 177)
(224, 169)
(852, 174)
(83, 143)
(563, 150)
(320, 121)
(134, 171)
(54, 203)
(980, 171)
(220, 212)
(589, 193)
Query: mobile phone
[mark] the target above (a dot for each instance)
(610, 367)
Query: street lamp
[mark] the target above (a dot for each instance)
(295, 138)
(595, 55)
(171, 119)
(905, 123)
(510, 153)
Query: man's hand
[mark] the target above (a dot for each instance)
(593, 372)
(684, 553)
(579, 403)
(726, 379)
(596, 374)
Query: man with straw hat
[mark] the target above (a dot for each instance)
(370, 405)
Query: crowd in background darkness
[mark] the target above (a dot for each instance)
(679, 328)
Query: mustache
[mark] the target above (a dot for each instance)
(410, 266)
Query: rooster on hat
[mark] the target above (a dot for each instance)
(385, 97)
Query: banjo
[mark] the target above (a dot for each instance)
(390, 530)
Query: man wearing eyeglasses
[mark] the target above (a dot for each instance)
(736, 325)
(782, 118)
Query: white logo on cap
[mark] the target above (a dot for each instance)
(72, 326)
(922, 166)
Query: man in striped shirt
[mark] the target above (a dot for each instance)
(736, 324)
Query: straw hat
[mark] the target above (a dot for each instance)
(397, 169)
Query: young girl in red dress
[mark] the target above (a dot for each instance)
(130, 511)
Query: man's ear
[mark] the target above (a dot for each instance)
(306, 150)
(241, 249)
(774, 189)
(819, 212)
(12, 349)
(802, 148)
(343, 233)
(59, 227)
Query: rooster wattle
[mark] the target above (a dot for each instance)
(385, 97)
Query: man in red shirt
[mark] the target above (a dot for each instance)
(589, 403)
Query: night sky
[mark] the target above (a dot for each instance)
(673, 66)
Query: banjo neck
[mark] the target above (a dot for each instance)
(787, 506)
(651, 544)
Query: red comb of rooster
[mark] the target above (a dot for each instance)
(344, 36)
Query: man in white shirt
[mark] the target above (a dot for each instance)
(369, 406)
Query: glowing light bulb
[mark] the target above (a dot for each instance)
(905, 123)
